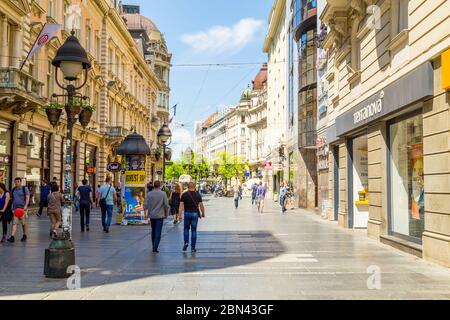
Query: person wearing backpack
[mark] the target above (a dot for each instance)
(5, 210)
(20, 196)
(108, 196)
(191, 204)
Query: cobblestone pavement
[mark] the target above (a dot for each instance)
(241, 255)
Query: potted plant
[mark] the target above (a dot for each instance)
(86, 114)
(53, 111)
(168, 154)
(73, 110)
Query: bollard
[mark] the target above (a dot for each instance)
(58, 257)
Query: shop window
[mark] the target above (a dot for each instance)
(407, 178)
(360, 182)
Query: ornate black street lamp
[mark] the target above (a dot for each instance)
(72, 59)
(164, 139)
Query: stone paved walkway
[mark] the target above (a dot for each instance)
(241, 255)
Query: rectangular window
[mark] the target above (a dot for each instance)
(402, 15)
(407, 178)
(88, 39)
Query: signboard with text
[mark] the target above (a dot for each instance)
(134, 196)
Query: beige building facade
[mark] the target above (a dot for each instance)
(120, 84)
(388, 129)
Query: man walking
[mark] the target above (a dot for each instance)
(108, 197)
(254, 189)
(236, 196)
(260, 195)
(45, 190)
(20, 199)
(156, 207)
(85, 198)
(283, 190)
(192, 206)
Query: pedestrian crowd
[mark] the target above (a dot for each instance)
(161, 200)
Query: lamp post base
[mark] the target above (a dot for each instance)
(59, 256)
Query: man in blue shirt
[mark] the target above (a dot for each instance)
(108, 196)
(260, 195)
(45, 191)
(283, 190)
(85, 199)
(254, 190)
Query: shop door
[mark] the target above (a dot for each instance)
(336, 182)
(359, 183)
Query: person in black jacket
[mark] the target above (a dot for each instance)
(175, 203)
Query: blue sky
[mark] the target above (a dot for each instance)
(208, 31)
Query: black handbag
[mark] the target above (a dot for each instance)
(102, 201)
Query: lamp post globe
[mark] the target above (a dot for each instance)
(71, 58)
(164, 134)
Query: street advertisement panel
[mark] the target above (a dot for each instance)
(134, 197)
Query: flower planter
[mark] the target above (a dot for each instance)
(85, 117)
(53, 116)
(72, 112)
(168, 155)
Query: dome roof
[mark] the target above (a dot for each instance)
(260, 80)
(247, 94)
(139, 22)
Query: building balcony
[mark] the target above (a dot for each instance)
(19, 91)
(116, 132)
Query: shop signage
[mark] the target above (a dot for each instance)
(446, 70)
(369, 111)
(113, 167)
(278, 167)
(90, 170)
(412, 87)
(135, 178)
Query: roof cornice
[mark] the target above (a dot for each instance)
(275, 16)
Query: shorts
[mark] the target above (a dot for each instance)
(22, 220)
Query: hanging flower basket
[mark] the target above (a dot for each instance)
(85, 117)
(86, 114)
(168, 154)
(53, 111)
(72, 112)
(53, 116)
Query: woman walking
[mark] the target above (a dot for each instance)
(175, 203)
(5, 210)
(55, 201)
(193, 209)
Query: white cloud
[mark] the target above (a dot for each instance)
(219, 39)
(181, 139)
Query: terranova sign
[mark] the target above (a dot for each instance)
(410, 88)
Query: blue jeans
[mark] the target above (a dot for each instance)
(157, 225)
(190, 222)
(107, 215)
(282, 198)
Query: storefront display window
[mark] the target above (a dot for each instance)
(360, 182)
(406, 177)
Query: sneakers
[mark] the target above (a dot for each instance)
(11, 239)
(87, 227)
(185, 246)
(3, 239)
(24, 238)
(193, 250)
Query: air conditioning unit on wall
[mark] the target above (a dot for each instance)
(28, 139)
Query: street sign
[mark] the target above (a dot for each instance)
(278, 167)
(113, 167)
(169, 163)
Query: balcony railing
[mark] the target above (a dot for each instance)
(12, 78)
(116, 132)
